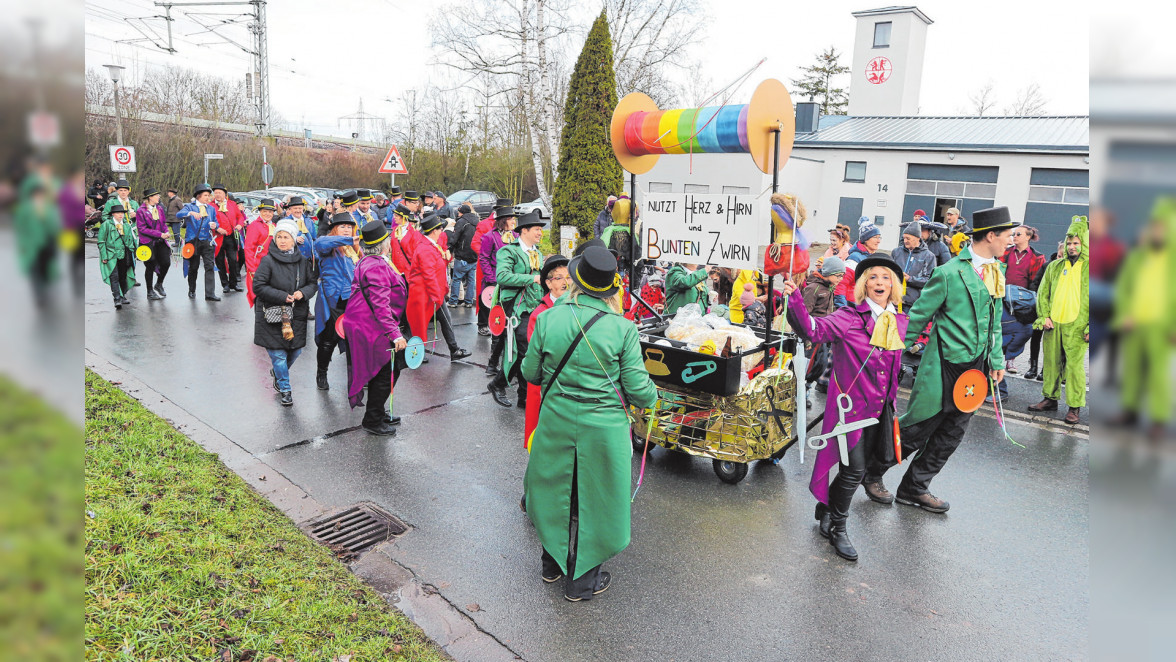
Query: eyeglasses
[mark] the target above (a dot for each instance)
(557, 278)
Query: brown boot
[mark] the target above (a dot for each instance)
(1072, 416)
(878, 492)
(1125, 419)
(928, 502)
(1046, 404)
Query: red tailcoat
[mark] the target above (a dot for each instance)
(427, 286)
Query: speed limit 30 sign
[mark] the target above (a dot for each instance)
(122, 158)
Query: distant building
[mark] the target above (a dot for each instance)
(885, 161)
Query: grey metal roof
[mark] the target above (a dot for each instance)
(1067, 134)
(1133, 101)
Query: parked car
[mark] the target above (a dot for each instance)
(309, 194)
(537, 203)
(481, 201)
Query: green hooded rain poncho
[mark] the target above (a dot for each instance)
(1064, 299)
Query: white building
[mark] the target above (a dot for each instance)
(884, 161)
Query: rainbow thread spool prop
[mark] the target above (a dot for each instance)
(339, 326)
(641, 133)
(414, 353)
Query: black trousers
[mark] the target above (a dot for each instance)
(379, 389)
(446, 324)
(39, 273)
(1035, 345)
(77, 266)
(483, 311)
(226, 261)
(118, 277)
(849, 476)
(328, 340)
(502, 380)
(160, 261)
(204, 256)
(937, 438)
(586, 584)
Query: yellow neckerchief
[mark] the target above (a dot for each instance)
(273, 228)
(885, 334)
(401, 230)
(508, 237)
(223, 206)
(349, 251)
(118, 225)
(388, 261)
(154, 212)
(994, 279)
(202, 207)
(444, 253)
(301, 224)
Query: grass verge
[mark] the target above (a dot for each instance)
(185, 561)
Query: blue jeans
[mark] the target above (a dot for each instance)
(839, 301)
(463, 272)
(282, 359)
(1015, 336)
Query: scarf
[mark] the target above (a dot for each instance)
(223, 206)
(994, 279)
(885, 334)
(154, 212)
(289, 252)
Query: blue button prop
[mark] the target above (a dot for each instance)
(414, 352)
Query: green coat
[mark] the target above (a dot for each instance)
(517, 290)
(583, 430)
(112, 246)
(682, 288)
(130, 213)
(35, 227)
(967, 325)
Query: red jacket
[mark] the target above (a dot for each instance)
(257, 243)
(480, 231)
(1026, 273)
(534, 393)
(230, 220)
(427, 286)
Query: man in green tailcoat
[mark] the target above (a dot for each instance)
(117, 241)
(518, 293)
(963, 298)
(685, 284)
(586, 358)
(122, 198)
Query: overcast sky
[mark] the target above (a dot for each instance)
(320, 70)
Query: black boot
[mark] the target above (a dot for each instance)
(320, 379)
(822, 515)
(839, 539)
(1032, 372)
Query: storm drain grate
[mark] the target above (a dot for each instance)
(355, 529)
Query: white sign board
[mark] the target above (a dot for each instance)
(392, 163)
(122, 158)
(44, 129)
(567, 240)
(727, 230)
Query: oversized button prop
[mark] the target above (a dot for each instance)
(414, 352)
(497, 321)
(487, 296)
(189, 251)
(143, 253)
(339, 326)
(970, 390)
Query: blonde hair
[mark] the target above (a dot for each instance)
(613, 300)
(859, 287)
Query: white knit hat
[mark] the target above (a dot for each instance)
(287, 225)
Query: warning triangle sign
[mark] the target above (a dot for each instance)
(393, 164)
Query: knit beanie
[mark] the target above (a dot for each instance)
(832, 266)
(748, 296)
(866, 229)
(287, 225)
(913, 229)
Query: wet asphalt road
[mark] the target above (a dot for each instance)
(714, 572)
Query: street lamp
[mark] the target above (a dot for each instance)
(115, 72)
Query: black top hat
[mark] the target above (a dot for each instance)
(267, 203)
(595, 271)
(503, 202)
(296, 200)
(530, 219)
(150, 192)
(432, 221)
(411, 196)
(342, 218)
(878, 260)
(220, 187)
(337, 195)
(122, 183)
(116, 207)
(993, 218)
(401, 210)
(504, 212)
(394, 191)
(552, 263)
(364, 194)
(350, 197)
(374, 232)
(586, 245)
(203, 188)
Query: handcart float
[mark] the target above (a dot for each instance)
(706, 406)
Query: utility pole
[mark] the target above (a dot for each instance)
(115, 72)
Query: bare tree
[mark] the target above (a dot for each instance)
(983, 100)
(649, 36)
(1030, 102)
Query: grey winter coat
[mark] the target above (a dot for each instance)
(277, 276)
(917, 264)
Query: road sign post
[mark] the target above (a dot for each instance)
(207, 158)
(122, 158)
(393, 164)
(267, 172)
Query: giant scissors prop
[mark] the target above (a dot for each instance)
(844, 404)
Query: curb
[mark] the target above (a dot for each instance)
(451, 629)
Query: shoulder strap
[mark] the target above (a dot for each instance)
(571, 349)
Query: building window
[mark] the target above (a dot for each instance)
(882, 34)
(696, 188)
(1078, 196)
(660, 187)
(1046, 193)
(920, 187)
(855, 171)
(738, 190)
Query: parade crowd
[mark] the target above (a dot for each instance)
(953, 299)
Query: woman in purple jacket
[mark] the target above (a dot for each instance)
(866, 343)
(151, 220)
(373, 324)
(501, 235)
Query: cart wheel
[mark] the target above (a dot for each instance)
(730, 472)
